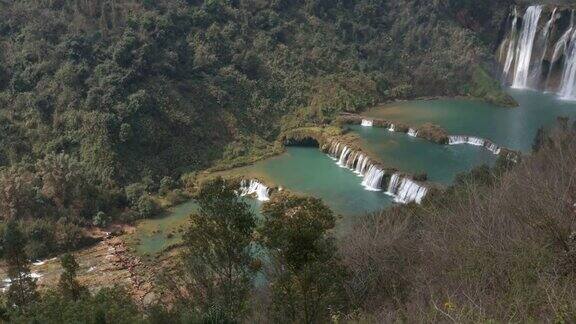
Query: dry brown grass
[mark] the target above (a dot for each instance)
(504, 251)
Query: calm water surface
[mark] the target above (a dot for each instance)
(514, 128)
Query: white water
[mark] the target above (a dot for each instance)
(412, 132)
(254, 187)
(405, 190)
(343, 155)
(511, 45)
(559, 48)
(525, 46)
(392, 128)
(367, 123)
(544, 45)
(568, 83)
(476, 141)
(373, 179)
(361, 164)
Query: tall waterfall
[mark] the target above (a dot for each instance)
(405, 190)
(568, 83)
(525, 47)
(523, 55)
(254, 187)
(559, 49)
(544, 45)
(511, 45)
(367, 123)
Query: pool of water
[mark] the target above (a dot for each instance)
(415, 155)
(152, 236)
(308, 171)
(514, 128)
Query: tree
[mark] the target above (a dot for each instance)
(22, 291)
(538, 140)
(68, 285)
(307, 280)
(216, 271)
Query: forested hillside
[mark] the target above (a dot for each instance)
(151, 88)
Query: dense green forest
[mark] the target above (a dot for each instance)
(138, 88)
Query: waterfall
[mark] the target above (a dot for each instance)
(559, 48)
(342, 160)
(511, 45)
(410, 191)
(568, 83)
(405, 190)
(333, 151)
(392, 128)
(254, 187)
(412, 132)
(525, 46)
(367, 123)
(476, 141)
(373, 179)
(361, 164)
(545, 36)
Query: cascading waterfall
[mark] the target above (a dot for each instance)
(343, 155)
(523, 53)
(559, 49)
(405, 190)
(412, 132)
(511, 45)
(392, 128)
(544, 45)
(568, 83)
(373, 179)
(254, 187)
(367, 123)
(476, 141)
(361, 165)
(525, 47)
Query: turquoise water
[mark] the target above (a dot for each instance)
(415, 155)
(514, 128)
(153, 236)
(308, 171)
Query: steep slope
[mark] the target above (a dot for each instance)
(149, 88)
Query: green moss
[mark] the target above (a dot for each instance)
(483, 86)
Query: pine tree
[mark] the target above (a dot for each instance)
(68, 285)
(22, 291)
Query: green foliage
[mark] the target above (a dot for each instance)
(109, 305)
(485, 87)
(134, 89)
(101, 219)
(216, 270)
(307, 283)
(22, 291)
(68, 285)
